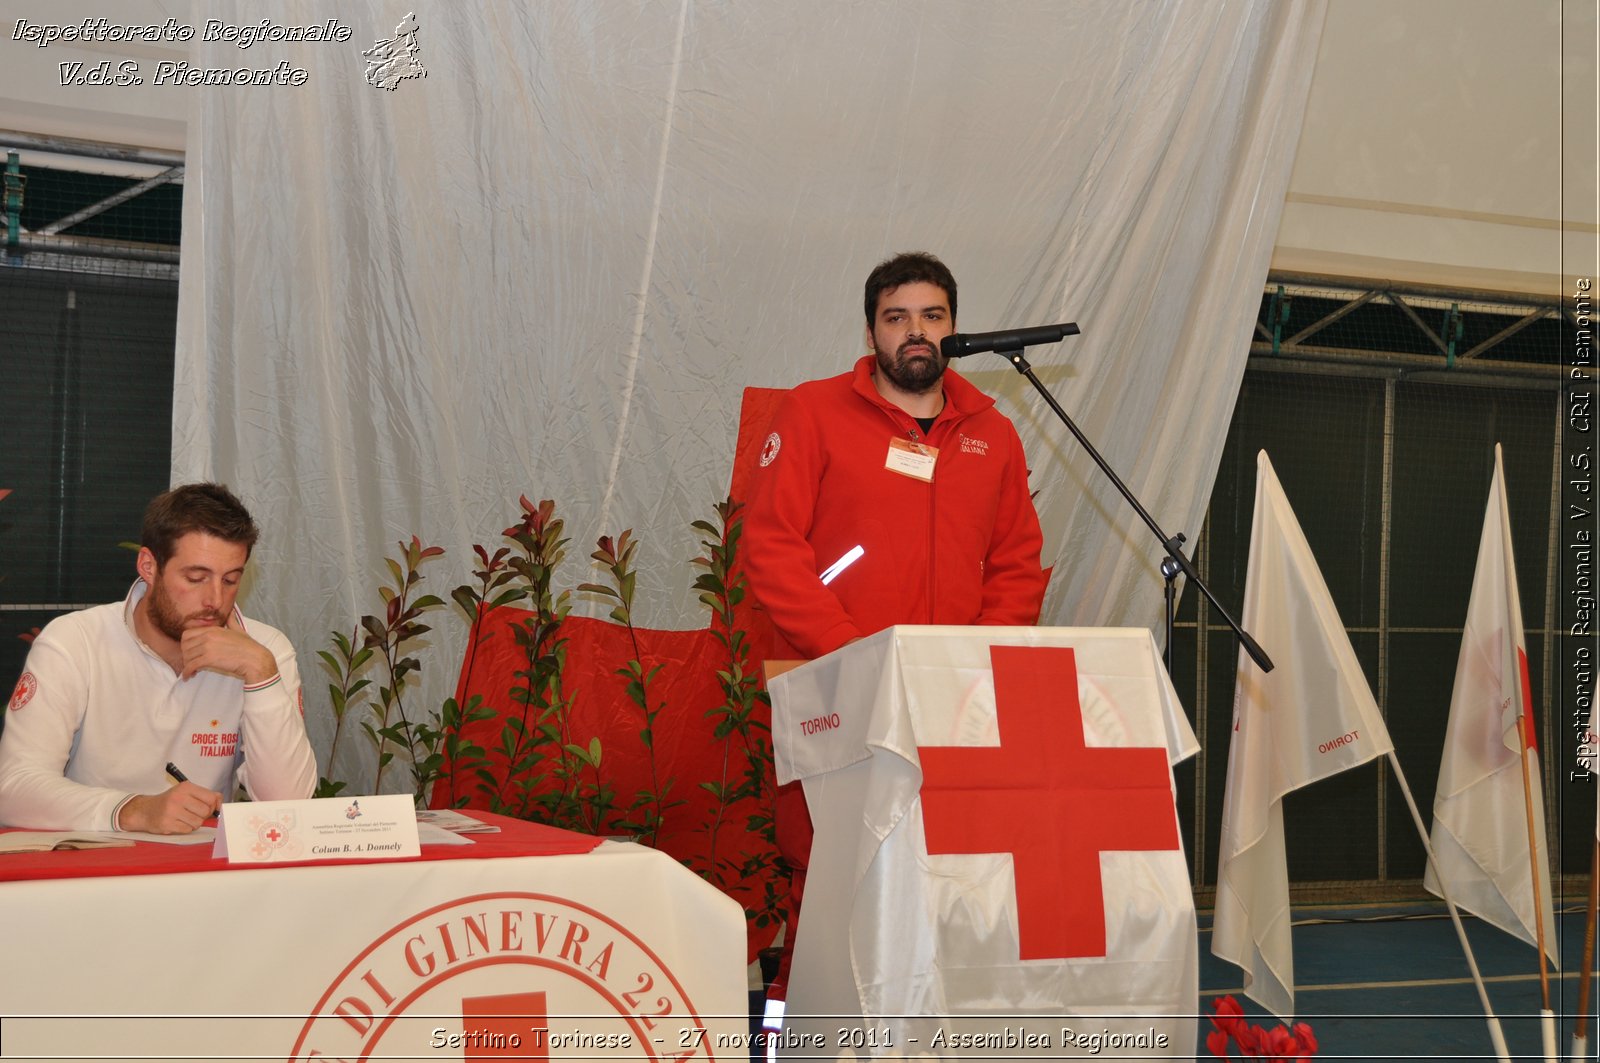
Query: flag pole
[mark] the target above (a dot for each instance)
(1580, 1028)
(1496, 1034)
(1548, 1017)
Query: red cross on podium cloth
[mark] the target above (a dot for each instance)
(1052, 802)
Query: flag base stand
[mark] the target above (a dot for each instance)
(1580, 1048)
(1552, 1042)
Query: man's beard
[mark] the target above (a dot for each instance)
(915, 375)
(164, 615)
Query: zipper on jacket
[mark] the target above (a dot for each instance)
(918, 437)
(933, 542)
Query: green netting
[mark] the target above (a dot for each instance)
(153, 217)
(87, 360)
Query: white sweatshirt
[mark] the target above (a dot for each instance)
(97, 715)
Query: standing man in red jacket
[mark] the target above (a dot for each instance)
(892, 494)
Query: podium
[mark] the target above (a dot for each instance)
(997, 867)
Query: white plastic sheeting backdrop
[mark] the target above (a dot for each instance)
(550, 266)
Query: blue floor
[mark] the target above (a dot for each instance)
(1392, 982)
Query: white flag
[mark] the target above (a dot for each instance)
(1312, 716)
(1480, 814)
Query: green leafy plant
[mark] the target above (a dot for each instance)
(392, 637)
(739, 717)
(427, 743)
(648, 811)
(447, 742)
(535, 737)
(347, 659)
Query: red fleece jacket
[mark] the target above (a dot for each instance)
(962, 549)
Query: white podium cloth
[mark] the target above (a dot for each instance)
(922, 954)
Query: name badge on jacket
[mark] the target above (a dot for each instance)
(915, 460)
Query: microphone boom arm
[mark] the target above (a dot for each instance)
(1173, 545)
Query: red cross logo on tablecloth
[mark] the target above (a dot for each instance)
(1049, 800)
(506, 1026)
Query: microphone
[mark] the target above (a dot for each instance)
(958, 345)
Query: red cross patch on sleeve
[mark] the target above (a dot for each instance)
(27, 686)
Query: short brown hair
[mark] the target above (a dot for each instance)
(205, 507)
(908, 267)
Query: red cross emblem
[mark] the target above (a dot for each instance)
(1527, 701)
(769, 449)
(506, 1026)
(273, 836)
(1049, 800)
(27, 686)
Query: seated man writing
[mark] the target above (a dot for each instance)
(173, 673)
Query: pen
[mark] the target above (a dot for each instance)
(174, 771)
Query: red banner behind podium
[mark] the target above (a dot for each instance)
(996, 841)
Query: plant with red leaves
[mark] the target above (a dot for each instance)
(1282, 1044)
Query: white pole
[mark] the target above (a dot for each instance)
(1496, 1034)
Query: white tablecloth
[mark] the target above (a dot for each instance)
(618, 953)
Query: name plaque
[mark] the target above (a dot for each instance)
(381, 827)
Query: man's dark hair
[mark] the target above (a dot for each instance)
(209, 508)
(908, 267)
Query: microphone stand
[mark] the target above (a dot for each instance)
(1175, 561)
